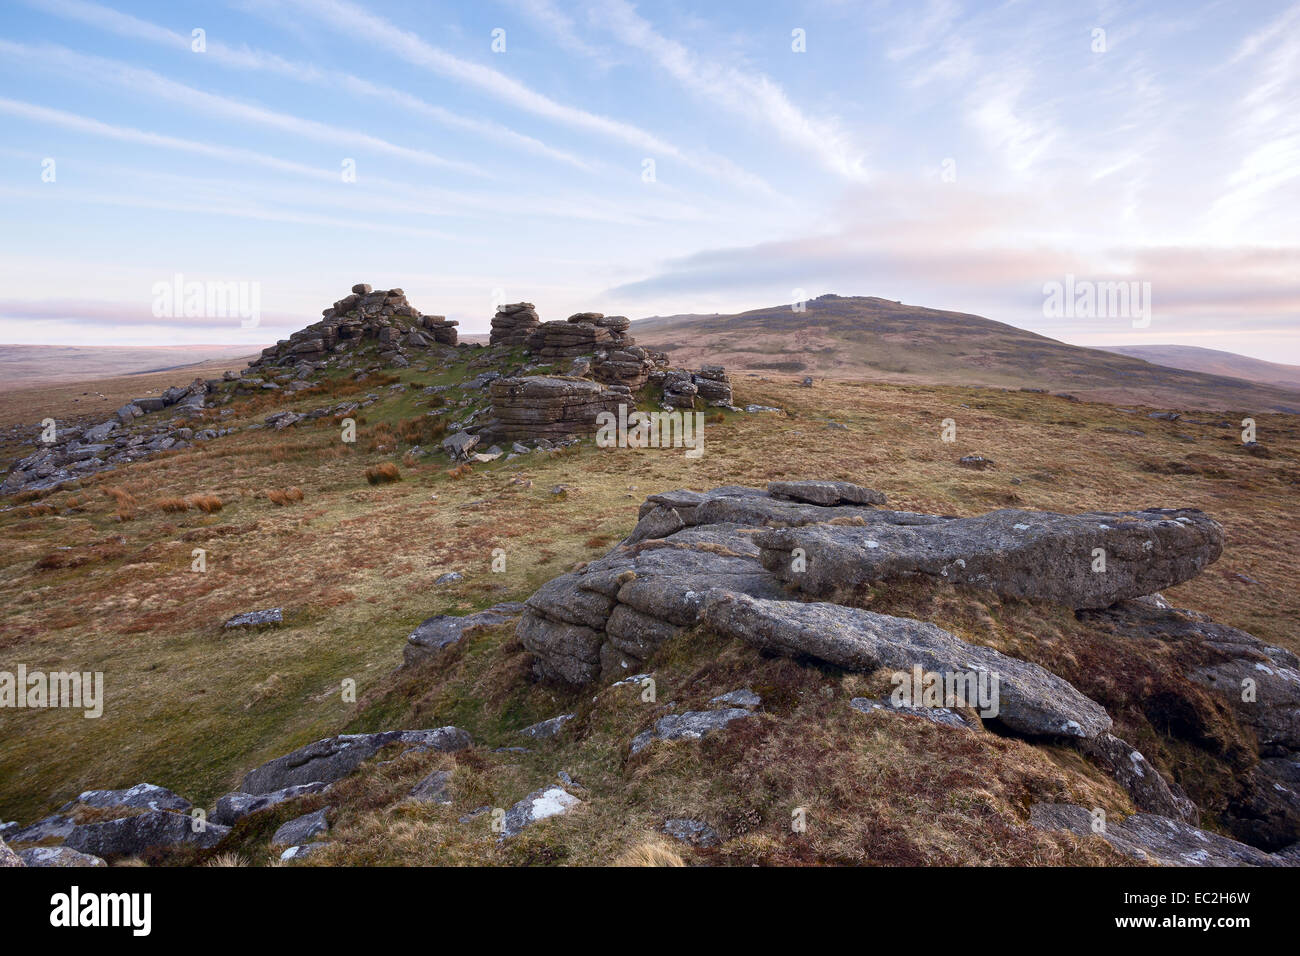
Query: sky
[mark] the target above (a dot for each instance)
(649, 159)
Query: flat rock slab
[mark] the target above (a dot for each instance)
(1031, 700)
(143, 796)
(133, 835)
(739, 698)
(693, 832)
(538, 805)
(545, 729)
(58, 856)
(57, 826)
(944, 716)
(1154, 839)
(826, 493)
(334, 758)
(691, 725)
(433, 788)
(444, 630)
(233, 807)
(1025, 554)
(301, 829)
(267, 618)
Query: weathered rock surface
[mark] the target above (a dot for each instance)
(301, 829)
(433, 788)
(538, 805)
(1031, 701)
(513, 324)
(944, 716)
(1153, 838)
(1025, 554)
(333, 758)
(8, 858)
(691, 725)
(267, 618)
(233, 807)
(58, 856)
(444, 630)
(825, 493)
(694, 832)
(135, 834)
(551, 406)
(545, 729)
(143, 796)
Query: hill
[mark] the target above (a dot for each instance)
(854, 337)
(1213, 362)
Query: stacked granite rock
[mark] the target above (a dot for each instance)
(580, 334)
(381, 315)
(513, 324)
(551, 406)
(682, 388)
(629, 365)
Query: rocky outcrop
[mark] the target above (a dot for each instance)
(1154, 839)
(134, 834)
(691, 725)
(550, 406)
(382, 316)
(143, 796)
(513, 324)
(1032, 701)
(233, 807)
(1024, 554)
(301, 829)
(581, 334)
(334, 758)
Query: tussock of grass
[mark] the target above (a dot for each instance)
(383, 473)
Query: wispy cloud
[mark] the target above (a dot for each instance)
(352, 20)
(97, 69)
(751, 95)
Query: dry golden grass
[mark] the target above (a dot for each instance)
(172, 505)
(650, 853)
(284, 496)
(208, 504)
(383, 473)
(356, 567)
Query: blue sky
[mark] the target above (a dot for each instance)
(948, 154)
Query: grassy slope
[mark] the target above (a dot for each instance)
(192, 708)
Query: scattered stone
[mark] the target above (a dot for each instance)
(691, 725)
(301, 852)
(547, 728)
(269, 617)
(334, 758)
(978, 462)
(444, 630)
(135, 834)
(944, 716)
(451, 577)
(694, 832)
(739, 698)
(58, 856)
(433, 788)
(301, 829)
(538, 805)
(143, 796)
(233, 807)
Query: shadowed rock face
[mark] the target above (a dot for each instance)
(335, 757)
(1024, 554)
(131, 835)
(1032, 701)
